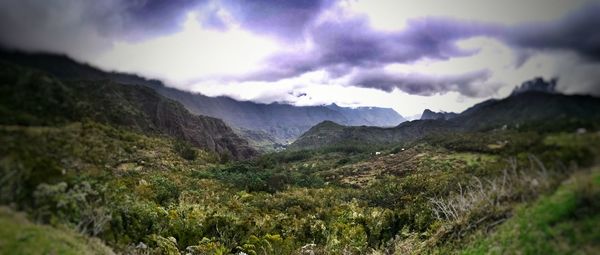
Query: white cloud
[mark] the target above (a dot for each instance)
(195, 57)
(191, 54)
(392, 14)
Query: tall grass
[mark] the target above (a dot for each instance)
(485, 202)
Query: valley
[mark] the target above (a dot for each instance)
(105, 167)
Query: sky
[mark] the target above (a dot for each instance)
(444, 55)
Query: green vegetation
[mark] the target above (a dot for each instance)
(133, 190)
(566, 222)
(119, 164)
(19, 236)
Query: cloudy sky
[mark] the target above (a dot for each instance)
(405, 54)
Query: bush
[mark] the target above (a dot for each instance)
(78, 206)
(165, 191)
(185, 150)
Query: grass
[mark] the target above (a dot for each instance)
(566, 222)
(328, 201)
(19, 236)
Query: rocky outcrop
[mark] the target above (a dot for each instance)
(431, 115)
(537, 85)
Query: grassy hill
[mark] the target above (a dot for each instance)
(564, 222)
(19, 236)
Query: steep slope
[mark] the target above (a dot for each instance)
(282, 122)
(33, 98)
(535, 110)
(20, 236)
(540, 109)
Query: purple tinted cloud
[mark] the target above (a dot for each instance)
(578, 32)
(343, 45)
(426, 85)
(155, 17)
(285, 19)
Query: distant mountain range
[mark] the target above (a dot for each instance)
(530, 108)
(281, 122)
(265, 125)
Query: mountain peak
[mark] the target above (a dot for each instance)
(431, 115)
(538, 85)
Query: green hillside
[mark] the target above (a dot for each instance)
(128, 188)
(19, 236)
(30, 98)
(528, 111)
(89, 165)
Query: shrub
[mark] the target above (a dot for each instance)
(79, 206)
(185, 150)
(165, 191)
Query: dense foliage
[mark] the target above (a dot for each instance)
(143, 194)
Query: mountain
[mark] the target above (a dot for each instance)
(533, 109)
(34, 98)
(276, 122)
(283, 122)
(329, 133)
(537, 84)
(431, 115)
(529, 110)
(368, 116)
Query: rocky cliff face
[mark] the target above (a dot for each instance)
(34, 98)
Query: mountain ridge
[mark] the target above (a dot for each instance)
(526, 110)
(31, 97)
(283, 122)
(431, 115)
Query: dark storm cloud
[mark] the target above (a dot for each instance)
(426, 85)
(285, 19)
(578, 32)
(82, 28)
(155, 17)
(112, 18)
(340, 46)
(354, 42)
